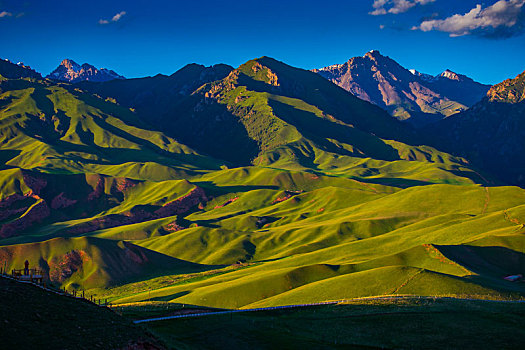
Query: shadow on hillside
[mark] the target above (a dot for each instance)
(477, 178)
(215, 190)
(394, 182)
(494, 261)
(320, 130)
(210, 223)
(209, 127)
(169, 297)
(149, 151)
(6, 156)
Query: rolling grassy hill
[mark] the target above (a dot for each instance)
(267, 186)
(57, 128)
(338, 243)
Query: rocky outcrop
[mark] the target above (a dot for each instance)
(509, 91)
(179, 206)
(270, 77)
(31, 205)
(48, 196)
(173, 227)
(63, 267)
(98, 190)
(35, 214)
(36, 184)
(229, 201)
(122, 184)
(182, 204)
(10, 202)
(61, 201)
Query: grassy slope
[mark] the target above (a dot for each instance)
(93, 262)
(113, 200)
(33, 318)
(58, 129)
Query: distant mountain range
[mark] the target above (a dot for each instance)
(405, 94)
(72, 72)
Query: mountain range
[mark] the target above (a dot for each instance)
(406, 94)
(72, 72)
(255, 186)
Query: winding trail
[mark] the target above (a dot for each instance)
(513, 220)
(407, 281)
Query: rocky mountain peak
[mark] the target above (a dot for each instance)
(373, 54)
(423, 76)
(407, 95)
(70, 65)
(72, 72)
(450, 75)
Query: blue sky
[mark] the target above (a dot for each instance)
(482, 39)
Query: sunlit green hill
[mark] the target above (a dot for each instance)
(58, 128)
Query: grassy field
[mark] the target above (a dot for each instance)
(393, 324)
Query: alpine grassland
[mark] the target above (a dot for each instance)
(261, 186)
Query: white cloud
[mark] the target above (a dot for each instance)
(115, 18)
(505, 18)
(118, 16)
(382, 7)
(5, 14)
